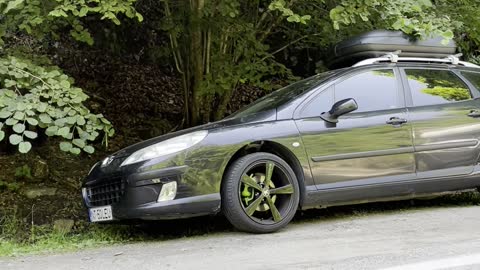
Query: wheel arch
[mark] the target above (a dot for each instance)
(276, 149)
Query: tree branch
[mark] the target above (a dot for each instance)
(290, 44)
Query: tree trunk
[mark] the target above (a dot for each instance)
(196, 56)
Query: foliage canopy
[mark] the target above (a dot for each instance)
(214, 45)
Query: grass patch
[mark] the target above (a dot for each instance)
(18, 238)
(50, 242)
(43, 239)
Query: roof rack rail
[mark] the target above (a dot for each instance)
(394, 57)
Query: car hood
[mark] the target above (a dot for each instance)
(227, 122)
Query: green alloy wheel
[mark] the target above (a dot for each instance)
(260, 193)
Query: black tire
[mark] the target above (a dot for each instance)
(240, 195)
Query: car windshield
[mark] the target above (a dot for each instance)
(283, 95)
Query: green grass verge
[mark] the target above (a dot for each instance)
(57, 242)
(18, 239)
(43, 239)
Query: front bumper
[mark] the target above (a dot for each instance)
(134, 195)
(178, 208)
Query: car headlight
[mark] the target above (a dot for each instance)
(167, 147)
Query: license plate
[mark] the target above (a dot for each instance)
(99, 214)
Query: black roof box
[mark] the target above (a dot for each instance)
(380, 42)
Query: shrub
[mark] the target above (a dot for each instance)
(36, 99)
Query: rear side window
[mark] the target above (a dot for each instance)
(430, 87)
(472, 77)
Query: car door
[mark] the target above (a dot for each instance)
(368, 146)
(444, 117)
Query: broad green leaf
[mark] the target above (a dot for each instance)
(105, 121)
(2, 135)
(81, 121)
(89, 149)
(83, 12)
(32, 121)
(58, 13)
(65, 146)
(15, 139)
(64, 131)
(77, 100)
(21, 106)
(42, 107)
(80, 143)
(10, 83)
(5, 114)
(293, 18)
(45, 118)
(11, 121)
(19, 115)
(13, 5)
(71, 120)
(19, 128)
(65, 84)
(75, 151)
(53, 74)
(30, 134)
(60, 122)
(416, 8)
(447, 35)
(24, 147)
(51, 131)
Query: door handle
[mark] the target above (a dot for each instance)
(474, 113)
(396, 121)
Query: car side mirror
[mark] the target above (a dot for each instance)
(338, 109)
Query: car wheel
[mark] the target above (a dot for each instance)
(260, 193)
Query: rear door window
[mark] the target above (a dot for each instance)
(431, 87)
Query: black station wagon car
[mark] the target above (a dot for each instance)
(387, 128)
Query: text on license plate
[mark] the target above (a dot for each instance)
(103, 213)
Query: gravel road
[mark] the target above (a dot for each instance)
(431, 238)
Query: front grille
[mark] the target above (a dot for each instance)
(107, 192)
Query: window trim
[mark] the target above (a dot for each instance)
(401, 98)
(408, 90)
(474, 91)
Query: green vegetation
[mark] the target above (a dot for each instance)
(218, 45)
(152, 67)
(44, 239)
(40, 17)
(48, 241)
(36, 99)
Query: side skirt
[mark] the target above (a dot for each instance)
(388, 191)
